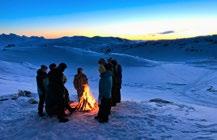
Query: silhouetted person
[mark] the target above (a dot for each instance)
(66, 97)
(55, 101)
(80, 79)
(105, 87)
(41, 79)
(52, 67)
(113, 77)
(117, 82)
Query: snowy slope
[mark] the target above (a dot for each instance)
(19, 61)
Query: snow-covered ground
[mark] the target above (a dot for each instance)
(129, 120)
(190, 86)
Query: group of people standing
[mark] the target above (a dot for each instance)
(53, 93)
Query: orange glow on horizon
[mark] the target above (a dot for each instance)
(133, 30)
(130, 37)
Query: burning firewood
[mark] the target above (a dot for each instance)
(87, 101)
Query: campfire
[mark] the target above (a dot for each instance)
(87, 101)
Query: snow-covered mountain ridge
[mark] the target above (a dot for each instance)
(189, 48)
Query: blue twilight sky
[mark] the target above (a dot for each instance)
(133, 19)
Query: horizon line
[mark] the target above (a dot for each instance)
(103, 36)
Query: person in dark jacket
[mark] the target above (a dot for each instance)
(110, 61)
(55, 101)
(105, 87)
(41, 79)
(52, 67)
(80, 79)
(66, 97)
(117, 82)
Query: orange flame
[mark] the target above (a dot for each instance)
(87, 101)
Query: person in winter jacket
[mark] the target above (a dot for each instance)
(52, 67)
(117, 82)
(41, 79)
(80, 79)
(66, 97)
(55, 101)
(105, 87)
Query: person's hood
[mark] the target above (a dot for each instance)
(40, 72)
(61, 69)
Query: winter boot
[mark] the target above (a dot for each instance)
(63, 120)
(40, 114)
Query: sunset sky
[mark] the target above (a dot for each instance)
(132, 19)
